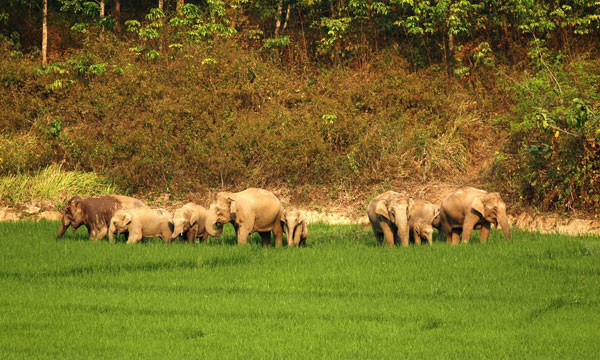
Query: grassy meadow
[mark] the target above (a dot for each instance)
(342, 297)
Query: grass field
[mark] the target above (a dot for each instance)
(342, 297)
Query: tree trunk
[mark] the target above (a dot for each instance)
(161, 4)
(179, 4)
(118, 14)
(102, 6)
(278, 20)
(287, 17)
(45, 34)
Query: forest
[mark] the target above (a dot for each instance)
(340, 97)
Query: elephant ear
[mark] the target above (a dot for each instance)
(193, 218)
(382, 209)
(304, 227)
(477, 205)
(125, 219)
(232, 206)
(411, 204)
(436, 216)
(283, 217)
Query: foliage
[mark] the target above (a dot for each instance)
(555, 135)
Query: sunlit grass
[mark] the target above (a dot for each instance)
(342, 297)
(52, 183)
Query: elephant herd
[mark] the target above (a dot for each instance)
(394, 216)
(251, 210)
(397, 218)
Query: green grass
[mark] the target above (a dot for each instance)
(342, 297)
(52, 183)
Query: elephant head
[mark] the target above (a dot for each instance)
(423, 229)
(215, 220)
(72, 216)
(183, 219)
(295, 227)
(395, 209)
(120, 221)
(491, 208)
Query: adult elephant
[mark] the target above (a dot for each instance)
(468, 208)
(388, 215)
(94, 213)
(251, 210)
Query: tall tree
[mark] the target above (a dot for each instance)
(102, 6)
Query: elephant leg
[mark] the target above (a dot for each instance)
(378, 234)
(416, 237)
(388, 234)
(242, 235)
(484, 233)
(266, 238)
(191, 234)
(449, 237)
(203, 237)
(470, 221)
(455, 237)
(134, 237)
(278, 233)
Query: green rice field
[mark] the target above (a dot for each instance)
(341, 297)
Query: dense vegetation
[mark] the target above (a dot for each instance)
(342, 297)
(342, 95)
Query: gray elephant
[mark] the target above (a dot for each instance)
(189, 222)
(294, 225)
(388, 215)
(469, 208)
(94, 213)
(141, 223)
(423, 217)
(251, 210)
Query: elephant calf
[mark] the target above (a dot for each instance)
(141, 223)
(189, 222)
(295, 227)
(468, 208)
(388, 215)
(94, 213)
(423, 217)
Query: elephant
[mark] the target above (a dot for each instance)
(95, 213)
(251, 210)
(295, 227)
(424, 216)
(388, 215)
(469, 208)
(421, 229)
(140, 223)
(189, 222)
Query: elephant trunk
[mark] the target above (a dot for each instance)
(503, 221)
(211, 223)
(402, 225)
(64, 225)
(177, 230)
(297, 234)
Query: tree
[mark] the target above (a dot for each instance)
(45, 34)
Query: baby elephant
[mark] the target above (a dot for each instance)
(423, 217)
(141, 223)
(189, 222)
(294, 226)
